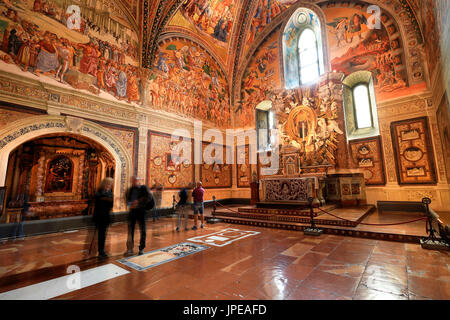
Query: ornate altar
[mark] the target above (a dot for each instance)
(57, 175)
(289, 189)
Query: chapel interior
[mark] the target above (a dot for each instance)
(320, 131)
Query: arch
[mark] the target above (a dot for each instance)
(301, 20)
(278, 23)
(21, 131)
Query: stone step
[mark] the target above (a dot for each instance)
(285, 218)
(332, 230)
(288, 212)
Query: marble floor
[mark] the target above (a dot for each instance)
(273, 264)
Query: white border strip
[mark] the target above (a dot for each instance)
(62, 285)
(199, 238)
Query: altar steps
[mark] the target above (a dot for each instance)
(280, 218)
(288, 212)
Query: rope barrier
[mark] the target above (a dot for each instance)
(374, 224)
(227, 208)
(366, 224)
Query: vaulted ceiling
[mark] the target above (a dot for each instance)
(246, 21)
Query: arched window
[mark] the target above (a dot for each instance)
(308, 56)
(363, 110)
(265, 121)
(303, 56)
(361, 118)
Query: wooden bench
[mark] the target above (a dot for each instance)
(410, 206)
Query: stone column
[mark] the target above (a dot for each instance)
(144, 75)
(40, 177)
(143, 152)
(80, 176)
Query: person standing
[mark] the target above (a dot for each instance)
(103, 205)
(197, 195)
(181, 205)
(139, 200)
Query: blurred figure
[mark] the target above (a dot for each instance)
(158, 189)
(139, 200)
(181, 206)
(18, 233)
(197, 196)
(103, 205)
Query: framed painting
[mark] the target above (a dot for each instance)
(243, 167)
(367, 154)
(215, 175)
(413, 151)
(166, 169)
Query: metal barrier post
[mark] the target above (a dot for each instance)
(432, 242)
(312, 231)
(213, 213)
(429, 226)
(174, 204)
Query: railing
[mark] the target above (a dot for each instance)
(432, 241)
(439, 243)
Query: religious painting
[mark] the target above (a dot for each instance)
(413, 151)
(243, 167)
(72, 45)
(357, 45)
(59, 175)
(172, 170)
(189, 82)
(432, 38)
(215, 175)
(211, 20)
(367, 154)
(266, 11)
(260, 78)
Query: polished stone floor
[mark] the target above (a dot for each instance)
(274, 264)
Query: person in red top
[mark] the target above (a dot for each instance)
(197, 195)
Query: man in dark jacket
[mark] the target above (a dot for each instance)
(139, 200)
(103, 204)
(181, 207)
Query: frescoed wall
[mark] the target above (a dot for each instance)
(213, 20)
(260, 79)
(265, 12)
(430, 26)
(74, 44)
(187, 81)
(442, 13)
(355, 45)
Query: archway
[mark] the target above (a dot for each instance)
(57, 174)
(22, 131)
